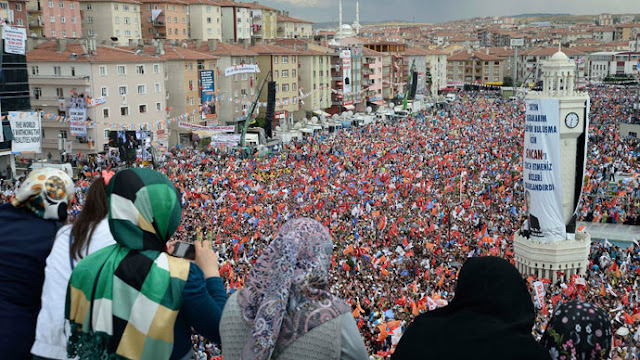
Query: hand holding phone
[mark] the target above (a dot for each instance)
(184, 250)
(207, 259)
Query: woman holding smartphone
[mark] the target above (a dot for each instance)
(133, 299)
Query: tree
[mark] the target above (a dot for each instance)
(508, 81)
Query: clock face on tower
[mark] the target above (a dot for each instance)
(571, 120)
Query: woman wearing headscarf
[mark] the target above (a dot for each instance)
(578, 330)
(89, 233)
(29, 225)
(490, 317)
(132, 300)
(285, 310)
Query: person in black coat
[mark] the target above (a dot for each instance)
(490, 317)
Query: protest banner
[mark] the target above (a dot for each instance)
(26, 130)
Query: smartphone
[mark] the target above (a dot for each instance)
(185, 250)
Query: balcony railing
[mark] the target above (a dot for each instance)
(158, 23)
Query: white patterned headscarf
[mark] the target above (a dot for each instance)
(286, 294)
(46, 192)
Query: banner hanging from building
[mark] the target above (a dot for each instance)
(78, 116)
(219, 129)
(208, 92)
(345, 56)
(241, 69)
(26, 130)
(15, 39)
(225, 139)
(541, 171)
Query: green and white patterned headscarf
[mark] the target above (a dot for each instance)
(124, 299)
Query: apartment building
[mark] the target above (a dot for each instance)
(437, 68)
(205, 20)
(347, 80)
(293, 28)
(58, 19)
(264, 22)
(473, 67)
(372, 75)
(236, 21)
(236, 79)
(417, 58)
(114, 21)
(16, 12)
(284, 66)
(165, 19)
(125, 90)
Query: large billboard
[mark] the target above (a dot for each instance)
(208, 88)
(78, 116)
(347, 80)
(541, 171)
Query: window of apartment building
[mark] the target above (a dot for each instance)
(148, 7)
(105, 115)
(64, 33)
(135, 20)
(102, 70)
(277, 88)
(209, 31)
(191, 102)
(122, 90)
(124, 110)
(104, 91)
(122, 70)
(18, 7)
(63, 134)
(125, 7)
(184, 20)
(184, 31)
(52, 18)
(73, 20)
(158, 88)
(37, 92)
(156, 68)
(63, 19)
(57, 71)
(89, 19)
(293, 58)
(293, 73)
(150, 31)
(35, 70)
(142, 89)
(169, 19)
(285, 87)
(117, 20)
(137, 33)
(294, 86)
(72, 5)
(170, 31)
(90, 32)
(142, 109)
(127, 20)
(175, 19)
(50, 4)
(140, 69)
(158, 106)
(191, 85)
(244, 76)
(285, 59)
(88, 6)
(127, 33)
(285, 73)
(275, 59)
(208, 20)
(20, 22)
(117, 32)
(276, 74)
(61, 4)
(115, 7)
(73, 71)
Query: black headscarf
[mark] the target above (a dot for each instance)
(490, 317)
(581, 328)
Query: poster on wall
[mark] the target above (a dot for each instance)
(26, 130)
(15, 39)
(208, 89)
(78, 116)
(347, 80)
(541, 171)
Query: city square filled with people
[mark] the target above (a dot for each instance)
(404, 205)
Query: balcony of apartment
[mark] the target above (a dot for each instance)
(35, 20)
(43, 101)
(159, 21)
(38, 80)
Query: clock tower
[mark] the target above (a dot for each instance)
(564, 252)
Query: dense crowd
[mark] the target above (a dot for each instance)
(407, 204)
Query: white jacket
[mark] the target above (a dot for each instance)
(52, 331)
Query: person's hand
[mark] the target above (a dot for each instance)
(171, 246)
(206, 259)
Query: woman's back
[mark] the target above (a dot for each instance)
(51, 336)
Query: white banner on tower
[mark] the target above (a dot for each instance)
(541, 171)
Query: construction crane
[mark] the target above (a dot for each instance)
(409, 85)
(242, 145)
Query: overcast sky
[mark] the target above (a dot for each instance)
(432, 11)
